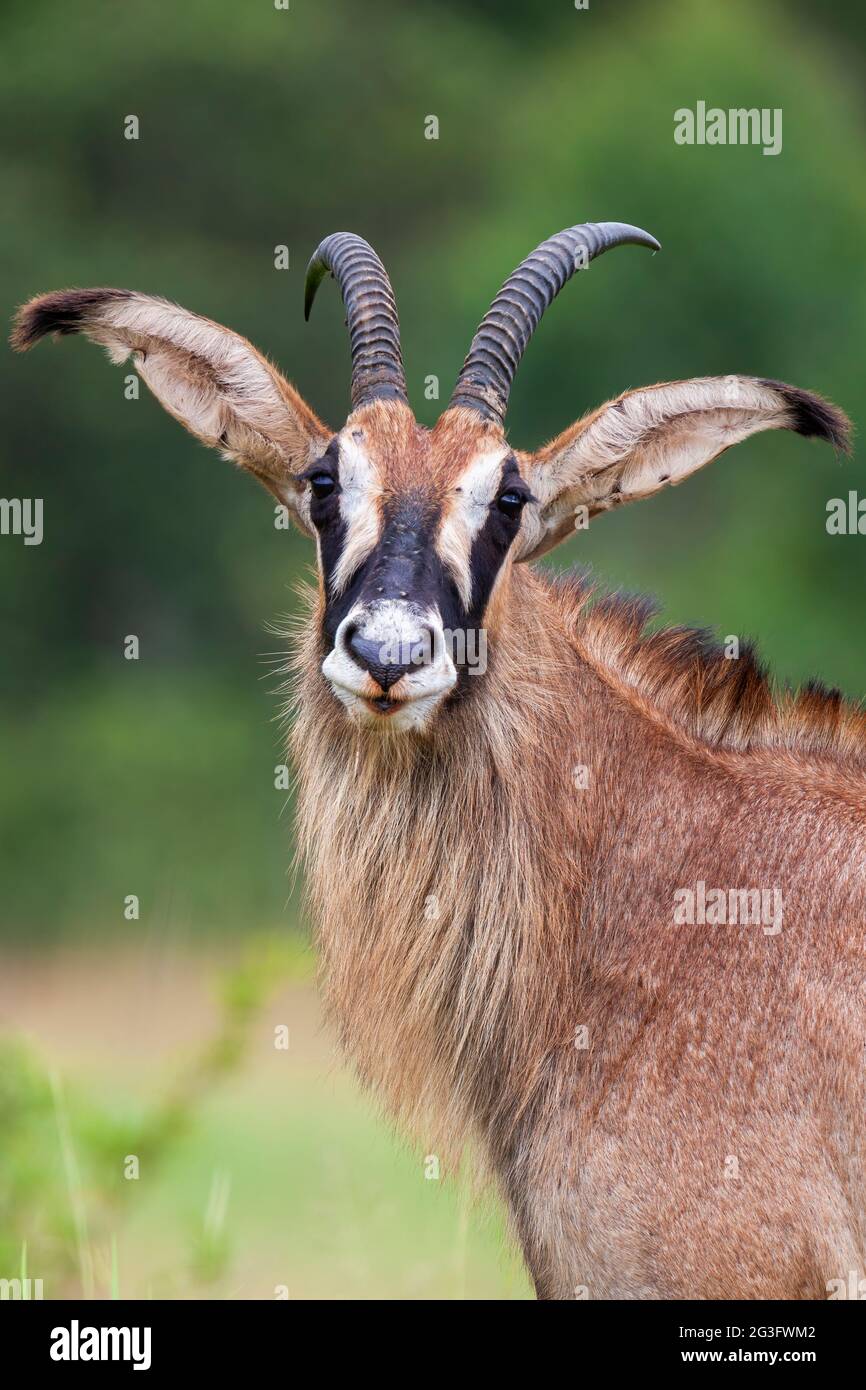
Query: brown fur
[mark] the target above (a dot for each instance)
(671, 1111)
(553, 911)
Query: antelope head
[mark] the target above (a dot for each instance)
(417, 530)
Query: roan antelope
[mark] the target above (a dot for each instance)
(501, 863)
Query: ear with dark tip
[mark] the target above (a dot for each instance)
(655, 437)
(812, 416)
(64, 311)
(210, 379)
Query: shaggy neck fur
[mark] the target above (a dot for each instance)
(448, 876)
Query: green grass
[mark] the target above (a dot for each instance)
(322, 1201)
(262, 1173)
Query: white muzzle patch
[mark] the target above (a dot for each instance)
(400, 631)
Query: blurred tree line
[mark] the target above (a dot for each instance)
(261, 127)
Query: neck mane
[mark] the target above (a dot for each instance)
(446, 874)
(684, 675)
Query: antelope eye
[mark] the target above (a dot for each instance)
(511, 503)
(322, 484)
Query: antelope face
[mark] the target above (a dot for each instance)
(416, 530)
(413, 532)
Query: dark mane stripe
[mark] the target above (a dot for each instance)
(726, 702)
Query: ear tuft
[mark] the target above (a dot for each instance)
(64, 311)
(814, 417)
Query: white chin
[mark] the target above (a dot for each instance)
(423, 692)
(404, 716)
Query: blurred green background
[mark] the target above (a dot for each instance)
(262, 127)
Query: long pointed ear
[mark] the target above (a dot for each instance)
(212, 380)
(654, 437)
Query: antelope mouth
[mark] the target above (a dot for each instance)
(382, 704)
(409, 705)
(411, 712)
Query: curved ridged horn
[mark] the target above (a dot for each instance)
(371, 315)
(485, 379)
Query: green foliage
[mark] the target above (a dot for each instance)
(33, 1206)
(64, 1185)
(162, 787)
(254, 1172)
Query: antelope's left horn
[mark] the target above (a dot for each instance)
(371, 315)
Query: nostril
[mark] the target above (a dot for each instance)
(426, 647)
(420, 651)
(369, 656)
(360, 648)
(348, 633)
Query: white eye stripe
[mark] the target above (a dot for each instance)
(467, 512)
(360, 488)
